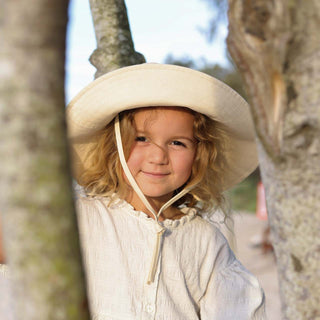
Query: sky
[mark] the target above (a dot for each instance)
(158, 28)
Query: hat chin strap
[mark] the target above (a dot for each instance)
(144, 200)
(133, 183)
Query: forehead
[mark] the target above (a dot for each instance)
(169, 116)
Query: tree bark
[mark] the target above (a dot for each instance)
(38, 219)
(115, 47)
(276, 47)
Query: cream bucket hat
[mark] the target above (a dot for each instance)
(152, 84)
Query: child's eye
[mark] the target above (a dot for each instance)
(178, 143)
(141, 139)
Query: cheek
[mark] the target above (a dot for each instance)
(184, 165)
(133, 164)
(134, 161)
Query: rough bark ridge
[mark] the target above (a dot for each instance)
(115, 47)
(40, 233)
(276, 46)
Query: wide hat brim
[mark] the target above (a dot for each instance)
(151, 84)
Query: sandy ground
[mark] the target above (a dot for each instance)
(248, 229)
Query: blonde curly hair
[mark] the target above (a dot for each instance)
(103, 174)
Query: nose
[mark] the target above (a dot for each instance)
(158, 154)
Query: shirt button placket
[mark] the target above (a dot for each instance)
(148, 311)
(149, 302)
(150, 308)
(149, 305)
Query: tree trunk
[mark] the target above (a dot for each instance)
(276, 47)
(38, 219)
(115, 47)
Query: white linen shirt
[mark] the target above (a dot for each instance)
(197, 275)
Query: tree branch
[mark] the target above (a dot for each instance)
(115, 47)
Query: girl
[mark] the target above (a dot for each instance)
(154, 147)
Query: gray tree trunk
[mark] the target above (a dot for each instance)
(276, 46)
(38, 219)
(115, 47)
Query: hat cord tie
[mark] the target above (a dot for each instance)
(136, 188)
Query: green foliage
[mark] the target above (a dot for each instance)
(230, 76)
(185, 61)
(218, 10)
(243, 197)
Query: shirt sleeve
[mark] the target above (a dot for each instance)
(233, 293)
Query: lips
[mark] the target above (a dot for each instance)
(155, 174)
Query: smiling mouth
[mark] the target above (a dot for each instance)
(155, 174)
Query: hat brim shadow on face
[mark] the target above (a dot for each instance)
(148, 85)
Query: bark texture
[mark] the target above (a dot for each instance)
(40, 233)
(115, 47)
(276, 47)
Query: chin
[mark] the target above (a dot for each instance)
(158, 195)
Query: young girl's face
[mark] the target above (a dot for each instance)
(163, 153)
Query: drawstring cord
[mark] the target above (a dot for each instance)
(161, 229)
(127, 171)
(155, 257)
